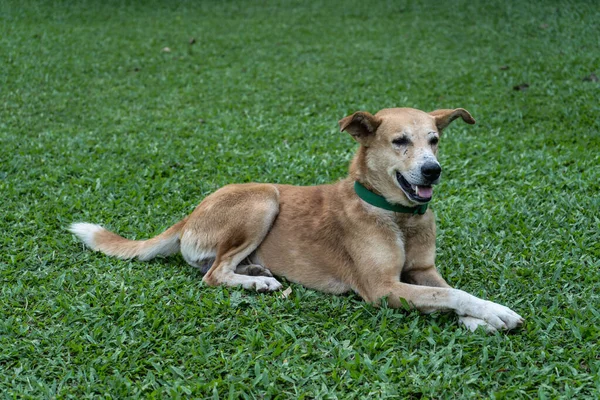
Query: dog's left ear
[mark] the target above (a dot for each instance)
(361, 125)
(444, 117)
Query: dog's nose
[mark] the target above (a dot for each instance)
(431, 170)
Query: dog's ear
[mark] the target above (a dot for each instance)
(361, 125)
(444, 117)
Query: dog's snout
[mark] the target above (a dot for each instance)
(431, 170)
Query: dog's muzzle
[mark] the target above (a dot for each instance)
(421, 193)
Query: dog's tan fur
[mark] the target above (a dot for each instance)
(325, 237)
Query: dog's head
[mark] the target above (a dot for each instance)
(398, 152)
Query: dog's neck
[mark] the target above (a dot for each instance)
(379, 201)
(359, 170)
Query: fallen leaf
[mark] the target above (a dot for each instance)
(286, 292)
(504, 67)
(522, 87)
(166, 50)
(591, 78)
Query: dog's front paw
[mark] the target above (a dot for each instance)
(498, 316)
(472, 323)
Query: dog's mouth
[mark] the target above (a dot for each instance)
(416, 193)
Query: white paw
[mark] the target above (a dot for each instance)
(497, 315)
(266, 284)
(472, 323)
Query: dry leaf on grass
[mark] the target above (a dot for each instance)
(286, 292)
(166, 50)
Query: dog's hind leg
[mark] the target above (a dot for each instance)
(224, 273)
(242, 269)
(253, 270)
(234, 221)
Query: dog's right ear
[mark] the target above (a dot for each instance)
(361, 125)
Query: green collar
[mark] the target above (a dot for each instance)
(380, 201)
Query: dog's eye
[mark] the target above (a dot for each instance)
(434, 141)
(401, 141)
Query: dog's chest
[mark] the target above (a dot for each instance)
(404, 240)
(390, 239)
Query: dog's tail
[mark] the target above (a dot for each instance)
(100, 239)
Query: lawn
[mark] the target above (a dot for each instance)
(128, 113)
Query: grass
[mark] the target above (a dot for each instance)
(98, 124)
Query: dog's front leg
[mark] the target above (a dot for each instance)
(429, 299)
(431, 277)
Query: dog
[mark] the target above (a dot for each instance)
(371, 232)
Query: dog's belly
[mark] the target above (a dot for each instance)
(302, 271)
(299, 264)
(303, 244)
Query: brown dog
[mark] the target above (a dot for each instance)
(371, 232)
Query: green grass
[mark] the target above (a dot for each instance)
(98, 124)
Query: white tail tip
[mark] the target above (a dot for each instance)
(86, 232)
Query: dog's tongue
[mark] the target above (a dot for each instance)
(424, 191)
